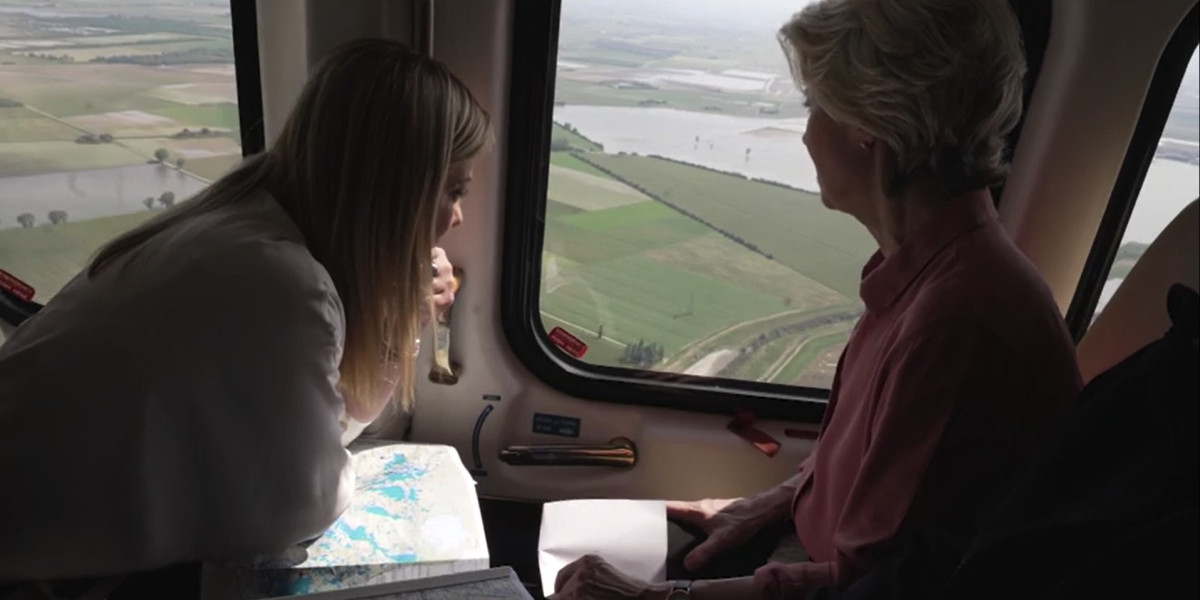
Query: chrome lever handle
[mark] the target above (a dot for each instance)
(620, 453)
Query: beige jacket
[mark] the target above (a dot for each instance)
(181, 405)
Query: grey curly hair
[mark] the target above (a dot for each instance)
(938, 81)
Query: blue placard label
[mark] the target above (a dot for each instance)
(555, 425)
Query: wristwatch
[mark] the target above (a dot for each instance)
(680, 590)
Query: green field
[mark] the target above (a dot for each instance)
(220, 116)
(32, 158)
(82, 53)
(48, 256)
(93, 41)
(783, 359)
(585, 243)
(744, 333)
(646, 271)
(589, 192)
(69, 100)
(792, 226)
(606, 351)
(812, 348)
(568, 160)
(213, 167)
(72, 89)
(638, 298)
(19, 124)
(576, 141)
(711, 254)
(729, 103)
(32, 142)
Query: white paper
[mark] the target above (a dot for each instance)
(630, 534)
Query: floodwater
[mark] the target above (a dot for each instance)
(774, 149)
(91, 194)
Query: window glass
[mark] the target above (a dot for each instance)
(684, 232)
(109, 112)
(1172, 182)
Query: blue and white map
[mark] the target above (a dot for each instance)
(414, 514)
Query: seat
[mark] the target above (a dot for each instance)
(1134, 316)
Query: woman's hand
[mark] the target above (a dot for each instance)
(729, 523)
(444, 286)
(592, 578)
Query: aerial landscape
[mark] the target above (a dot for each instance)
(684, 227)
(109, 112)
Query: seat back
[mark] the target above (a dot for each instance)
(1134, 316)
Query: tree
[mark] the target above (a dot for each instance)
(149, 202)
(161, 155)
(205, 131)
(179, 162)
(106, 138)
(57, 216)
(560, 145)
(26, 220)
(167, 199)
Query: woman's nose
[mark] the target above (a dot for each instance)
(456, 218)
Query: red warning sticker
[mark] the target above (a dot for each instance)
(15, 286)
(568, 343)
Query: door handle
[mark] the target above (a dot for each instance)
(620, 453)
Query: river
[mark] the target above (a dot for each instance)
(776, 151)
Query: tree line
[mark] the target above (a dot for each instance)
(139, 24)
(642, 354)
(564, 144)
(756, 344)
(56, 217)
(91, 138)
(28, 220)
(181, 57)
(203, 132)
(54, 57)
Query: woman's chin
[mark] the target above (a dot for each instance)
(828, 202)
(367, 414)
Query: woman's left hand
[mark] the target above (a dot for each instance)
(592, 578)
(444, 287)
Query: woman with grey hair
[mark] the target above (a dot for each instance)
(961, 363)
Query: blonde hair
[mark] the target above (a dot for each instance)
(938, 81)
(360, 166)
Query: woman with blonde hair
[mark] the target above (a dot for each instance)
(960, 365)
(185, 397)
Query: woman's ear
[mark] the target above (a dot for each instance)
(863, 139)
(888, 170)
